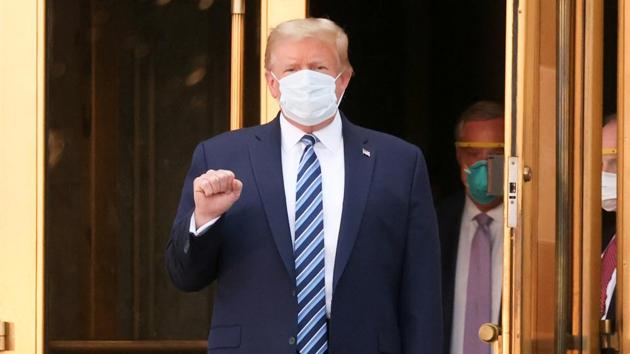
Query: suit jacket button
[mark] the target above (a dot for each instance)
(292, 341)
(293, 293)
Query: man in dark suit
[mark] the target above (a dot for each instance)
(609, 204)
(471, 232)
(321, 234)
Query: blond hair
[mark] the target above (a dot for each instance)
(320, 28)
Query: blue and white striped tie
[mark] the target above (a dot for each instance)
(308, 250)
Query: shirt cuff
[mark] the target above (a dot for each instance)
(201, 230)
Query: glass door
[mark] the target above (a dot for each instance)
(567, 63)
(131, 87)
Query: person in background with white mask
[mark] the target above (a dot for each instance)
(321, 235)
(471, 231)
(609, 204)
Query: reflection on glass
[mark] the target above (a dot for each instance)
(132, 86)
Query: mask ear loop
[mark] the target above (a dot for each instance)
(344, 91)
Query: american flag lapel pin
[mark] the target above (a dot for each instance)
(366, 152)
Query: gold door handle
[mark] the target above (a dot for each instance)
(491, 334)
(527, 173)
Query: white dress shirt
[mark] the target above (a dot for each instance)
(466, 233)
(329, 151)
(610, 288)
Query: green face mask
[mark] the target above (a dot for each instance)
(478, 182)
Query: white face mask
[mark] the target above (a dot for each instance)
(308, 97)
(609, 191)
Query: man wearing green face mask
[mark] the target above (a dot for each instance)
(471, 225)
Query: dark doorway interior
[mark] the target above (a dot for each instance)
(418, 64)
(610, 57)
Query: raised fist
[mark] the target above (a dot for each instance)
(215, 192)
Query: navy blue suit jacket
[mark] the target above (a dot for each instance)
(387, 268)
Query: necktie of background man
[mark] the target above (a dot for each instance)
(479, 289)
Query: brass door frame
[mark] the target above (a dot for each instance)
(564, 169)
(623, 177)
(237, 66)
(514, 66)
(588, 114)
(580, 111)
(522, 138)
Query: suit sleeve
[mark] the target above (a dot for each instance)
(421, 300)
(191, 260)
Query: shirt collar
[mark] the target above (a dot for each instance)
(330, 136)
(471, 210)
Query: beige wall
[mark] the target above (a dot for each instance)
(272, 13)
(21, 175)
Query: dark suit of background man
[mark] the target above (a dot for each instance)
(320, 234)
(471, 233)
(609, 204)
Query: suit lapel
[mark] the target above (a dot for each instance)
(359, 162)
(266, 161)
